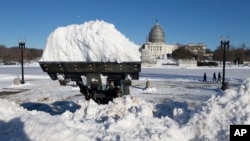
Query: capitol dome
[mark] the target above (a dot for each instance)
(156, 34)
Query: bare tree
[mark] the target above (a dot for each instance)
(14, 54)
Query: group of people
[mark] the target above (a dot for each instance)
(215, 79)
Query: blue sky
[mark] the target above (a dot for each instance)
(183, 21)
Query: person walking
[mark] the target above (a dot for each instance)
(205, 77)
(219, 77)
(214, 77)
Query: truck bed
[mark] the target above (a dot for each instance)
(74, 70)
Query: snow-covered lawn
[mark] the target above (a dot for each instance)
(180, 107)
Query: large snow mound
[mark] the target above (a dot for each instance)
(93, 41)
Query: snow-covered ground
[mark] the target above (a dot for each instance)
(179, 107)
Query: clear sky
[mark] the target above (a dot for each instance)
(183, 21)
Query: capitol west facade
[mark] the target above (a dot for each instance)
(156, 48)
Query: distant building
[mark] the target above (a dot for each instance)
(196, 48)
(156, 48)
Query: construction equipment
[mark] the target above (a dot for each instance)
(100, 81)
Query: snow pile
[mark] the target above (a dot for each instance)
(130, 118)
(93, 41)
(149, 90)
(127, 118)
(46, 112)
(213, 120)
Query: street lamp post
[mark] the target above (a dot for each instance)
(224, 45)
(22, 47)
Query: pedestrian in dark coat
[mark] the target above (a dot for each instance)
(214, 77)
(205, 77)
(219, 77)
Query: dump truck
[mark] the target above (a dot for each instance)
(100, 81)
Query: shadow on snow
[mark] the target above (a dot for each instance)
(13, 130)
(55, 108)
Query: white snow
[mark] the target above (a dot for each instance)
(93, 41)
(183, 108)
(150, 90)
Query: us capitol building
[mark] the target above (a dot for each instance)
(156, 48)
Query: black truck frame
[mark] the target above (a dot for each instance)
(100, 81)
